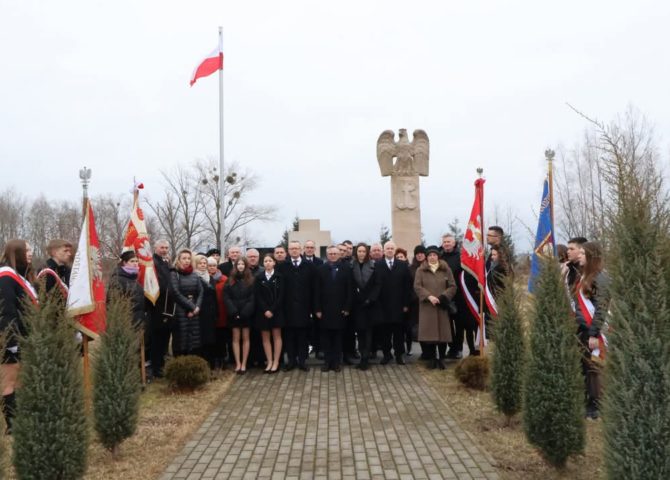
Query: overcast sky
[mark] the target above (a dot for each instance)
(309, 86)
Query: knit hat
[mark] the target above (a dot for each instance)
(433, 249)
(419, 249)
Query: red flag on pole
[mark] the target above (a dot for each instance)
(86, 296)
(210, 64)
(137, 240)
(473, 259)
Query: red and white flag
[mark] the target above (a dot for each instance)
(210, 64)
(137, 240)
(473, 257)
(86, 296)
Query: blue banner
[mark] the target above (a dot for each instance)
(545, 243)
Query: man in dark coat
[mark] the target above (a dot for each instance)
(332, 306)
(299, 277)
(310, 253)
(451, 254)
(60, 256)
(256, 354)
(234, 254)
(162, 313)
(314, 336)
(394, 298)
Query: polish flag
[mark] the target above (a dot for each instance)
(210, 64)
(86, 296)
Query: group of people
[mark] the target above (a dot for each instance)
(360, 300)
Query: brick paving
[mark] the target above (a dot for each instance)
(385, 423)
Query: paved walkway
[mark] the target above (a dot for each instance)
(386, 422)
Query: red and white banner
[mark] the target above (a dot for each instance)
(473, 258)
(137, 240)
(86, 296)
(210, 64)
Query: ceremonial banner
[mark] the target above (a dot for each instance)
(137, 240)
(473, 259)
(86, 296)
(545, 243)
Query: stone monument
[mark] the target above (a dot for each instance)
(404, 162)
(310, 229)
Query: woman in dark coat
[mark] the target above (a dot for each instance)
(124, 280)
(269, 298)
(208, 311)
(14, 287)
(365, 309)
(187, 291)
(498, 270)
(239, 298)
(591, 299)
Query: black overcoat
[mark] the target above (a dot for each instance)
(269, 295)
(209, 312)
(299, 293)
(239, 300)
(126, 284)
(395, 290)
(333, 294)
(366, 311)
(187, 291)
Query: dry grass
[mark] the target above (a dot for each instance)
(166, 423)
(514, 457)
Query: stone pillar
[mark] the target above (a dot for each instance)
(405, 212)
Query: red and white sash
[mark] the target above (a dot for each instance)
(588, 310)
(25, 284)
(491, 302)
(473, 307)
(61, 285)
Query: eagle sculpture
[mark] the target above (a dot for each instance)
(411, 158)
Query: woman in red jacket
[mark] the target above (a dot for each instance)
(221, 332)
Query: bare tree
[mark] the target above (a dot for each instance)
(166, 211)
(184, 185)
(40, 223)
(237, 212)
(112, 213)
(12, 208)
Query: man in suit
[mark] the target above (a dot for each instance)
(299, 278)
(162, 312)
(332, 306)
(234, 254)
(314, 336)
(394, 299)
(310, 253)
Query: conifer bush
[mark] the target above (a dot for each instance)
(509, 357)
(116, 377)
(553, 414)
(187, 373)
(636, 401)
(50, 428)
(473, 372)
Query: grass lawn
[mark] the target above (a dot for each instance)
(514, 457)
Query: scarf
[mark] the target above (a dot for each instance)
(204, 275)
(186, 271)
(131, 269)
(434, 266)
(363, 272)
(217, 276)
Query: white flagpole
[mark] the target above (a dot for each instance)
(222, 175)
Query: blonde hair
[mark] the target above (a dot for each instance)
(196, 259)
(175, 264)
